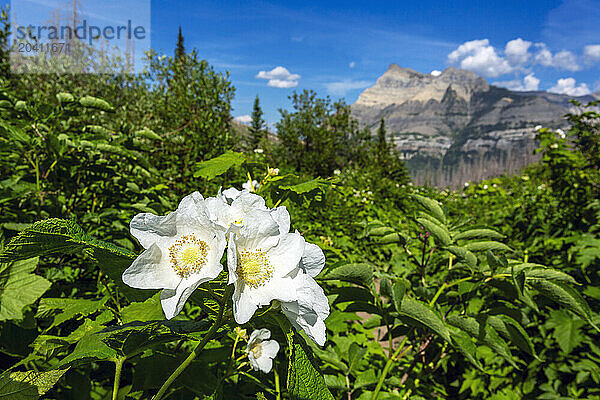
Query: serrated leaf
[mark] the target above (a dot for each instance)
(439, 232)
(484, 333)
(43, 381)
(19, 288)
(361, 274)
(391, 238)
(511, 330)
(15, 390)
(425, 315)
(564, 295)
(355, 354)
(55, 235)
(329, 356)
(214, 167)
(464, 344)
(483, 233)
(365, 378)
(68, 308)
(430, 205)
(304, 381)
(148, 310)
(89, 348)
(566, 330)
(398, 291)
(487, 245)
(148, 134)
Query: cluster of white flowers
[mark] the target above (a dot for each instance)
(265, 260)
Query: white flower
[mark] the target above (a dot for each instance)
(261, 262)
(537, 128)
(485, 187)
(274, 171)
(311, 308)
(258, 151)
(554, 146)
(466, 184)
(251, 186)
(261, 351)
(561, 133)
(337, 172)
(182, 250)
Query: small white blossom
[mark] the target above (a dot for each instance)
(537, 128)
(273, 171)
(251, 186)
(182, 250)
(554, 146)
(337, 172)
(485, 187)
(261, 351)
(466, 184)
(561, 133)
(258, 151)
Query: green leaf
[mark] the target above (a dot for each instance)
(94, 102)
(425, 315)
(567, 330)
(55, 235)
(564, 295)
(463, 255)
(11, 389)
(219, 165)
(399, 289)
(148, 134)
(43, 381)
(89, 348)
(487, 245)
(518, 279)
(330, 357)
(365, 378)
(19, 288)
(68, 308)
(355, 354)
(64, 97)
(464, 344)
(317, 185)
(391, 238)
(484, 333)
(511, 330)
(361, 274)
(439, 232)
(304, 382)
(430, 205)
(478, 234)
(148, 310)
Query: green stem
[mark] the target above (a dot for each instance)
(388, 365)
(197, 349)
(277, 388)
(446, 286)
(118, 367)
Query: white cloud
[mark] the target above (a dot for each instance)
(435, 72)
(478, 56)
(529, 83)
(279, 77)
(341, 88)
(352, 64)
(567, 86)
(517, 51)
(243, 119)
(543, 55)
(565, 60)
(591, 53)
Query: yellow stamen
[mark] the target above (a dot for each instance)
(254, 268)
(188, 255)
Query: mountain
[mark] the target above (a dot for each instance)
(454, 127)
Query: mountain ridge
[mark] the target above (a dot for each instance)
(454, 127)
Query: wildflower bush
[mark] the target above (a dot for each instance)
(143, 256)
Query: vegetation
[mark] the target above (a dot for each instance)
(488, 292)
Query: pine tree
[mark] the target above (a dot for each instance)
(258, 126)
(382, 149)
(179, 49)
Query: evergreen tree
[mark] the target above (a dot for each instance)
(179, 49)
(382, 149)
(258, 125)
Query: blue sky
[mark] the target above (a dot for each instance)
(339, 48)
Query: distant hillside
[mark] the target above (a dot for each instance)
(455, 127)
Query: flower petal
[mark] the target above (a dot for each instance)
(258, 336)
(265, 364)
(286, 256)
(192, 213)
(270, 348)
(146, 227)
(313, 259)
(149, 271)
(282, 217)
(244, 305)
(259, 229)
(172, 301)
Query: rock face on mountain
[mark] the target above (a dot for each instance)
(454, 127)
